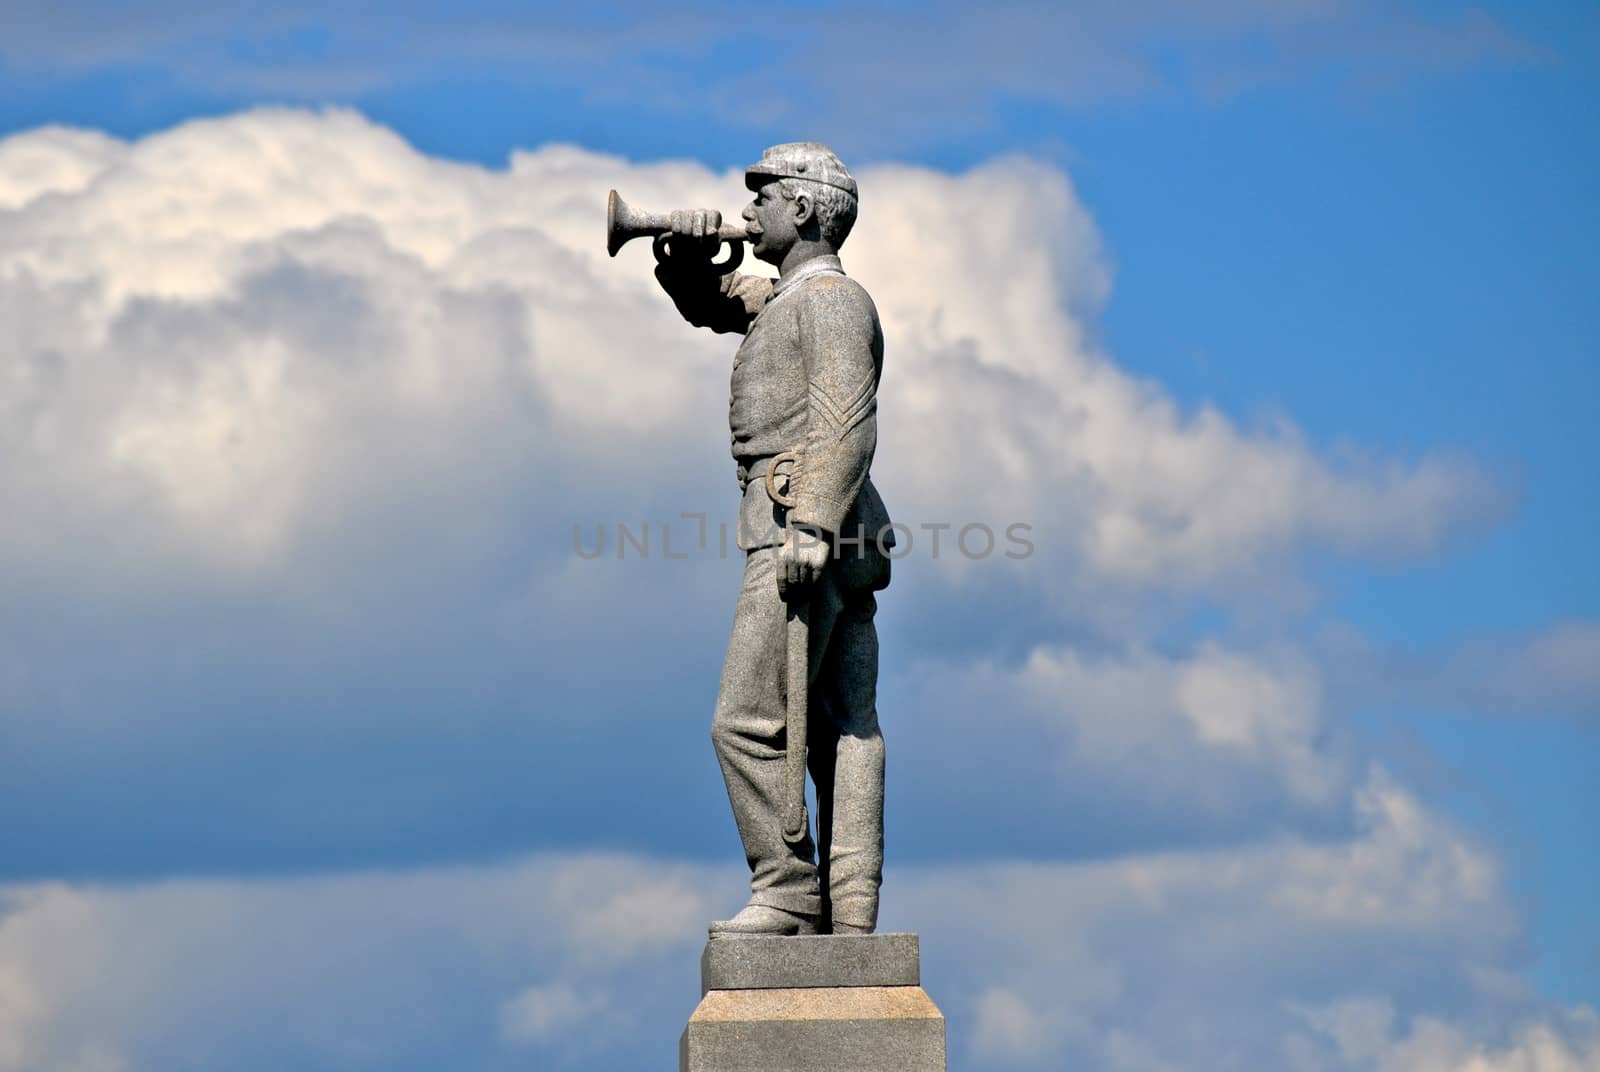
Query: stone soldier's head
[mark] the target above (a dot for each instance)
(804, 193)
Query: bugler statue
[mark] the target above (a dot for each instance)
(799, 680)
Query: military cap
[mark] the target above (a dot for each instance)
(808, 160)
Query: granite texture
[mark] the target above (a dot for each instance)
(878, 960)
(846, 1029)
(804, 388)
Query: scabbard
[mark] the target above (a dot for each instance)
(796, 824)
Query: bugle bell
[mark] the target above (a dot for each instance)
(624, 223)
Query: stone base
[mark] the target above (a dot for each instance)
(823, 1004)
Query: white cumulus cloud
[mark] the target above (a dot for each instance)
(241, 331)
(1395, 948)
(282, 366)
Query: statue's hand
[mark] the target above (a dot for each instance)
(694, 232)
(801, 559)
(687, 270)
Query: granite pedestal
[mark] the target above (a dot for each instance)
(815, 1004)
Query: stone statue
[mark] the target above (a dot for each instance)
(799, 681)
(809, 984)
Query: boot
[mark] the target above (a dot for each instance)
(755, 921)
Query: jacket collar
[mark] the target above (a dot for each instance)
(827, 263)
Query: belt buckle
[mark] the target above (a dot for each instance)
(790, 458)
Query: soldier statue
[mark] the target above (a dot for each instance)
(816, 536)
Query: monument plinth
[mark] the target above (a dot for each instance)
(813, 1004)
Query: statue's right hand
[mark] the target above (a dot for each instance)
(694, 231)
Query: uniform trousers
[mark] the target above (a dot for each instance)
(836, 876)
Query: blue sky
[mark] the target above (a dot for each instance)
(1292, 304)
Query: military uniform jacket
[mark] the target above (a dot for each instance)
(804, 379)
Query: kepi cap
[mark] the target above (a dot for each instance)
(808, 160)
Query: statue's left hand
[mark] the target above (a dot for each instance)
(801, 559)
(695, 230)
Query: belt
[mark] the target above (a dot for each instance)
(751, 469)
(756, 468)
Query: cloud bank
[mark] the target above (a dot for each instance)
(1393, 949)
(298, 423)
(231, 332)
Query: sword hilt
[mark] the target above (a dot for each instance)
(791, 458)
